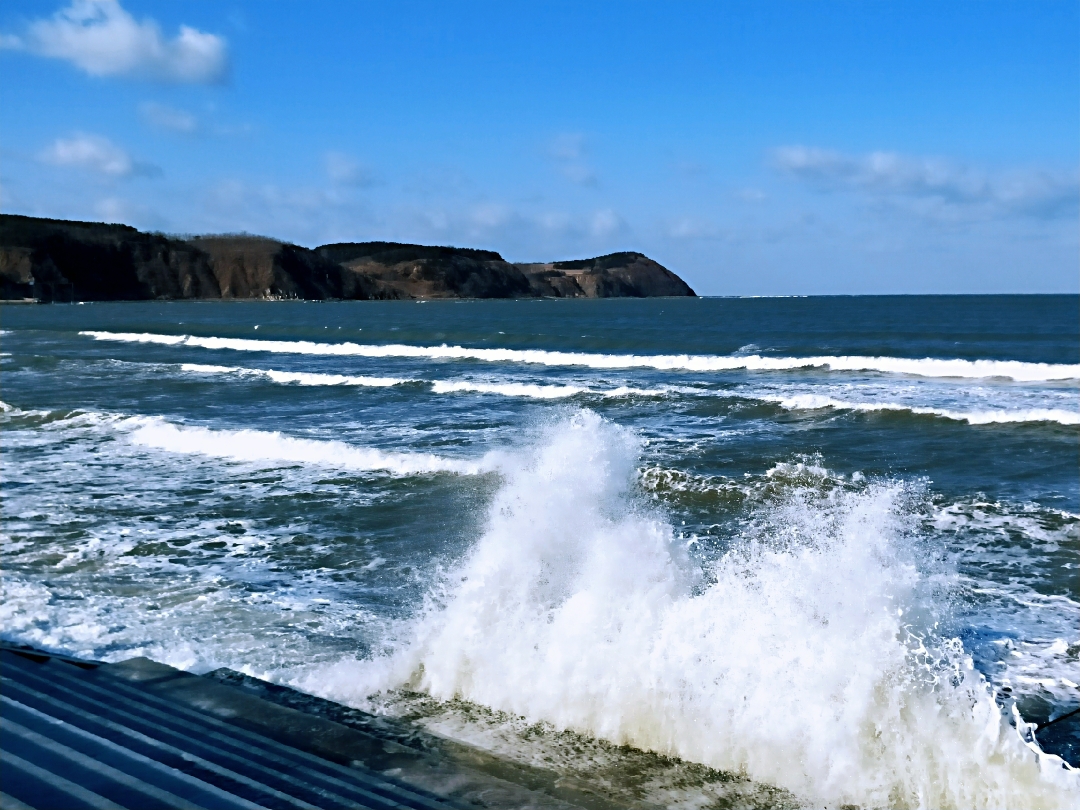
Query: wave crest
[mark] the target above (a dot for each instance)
(924, 367)
(276, 448)
(987, 416)
(806, 657)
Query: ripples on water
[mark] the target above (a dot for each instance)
(802, 550)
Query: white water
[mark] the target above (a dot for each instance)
(979, 417)
(977, 410)
(535, 391)
(806, 658)
(925, 367)
(275, 448)
(506, 389)
(271, 448)
(296, 377)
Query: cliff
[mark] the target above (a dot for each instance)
(417, 271)
(617, 275)
(58, 260)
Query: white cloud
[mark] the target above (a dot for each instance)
(567, 146)
(578, 173)
(101, 38)
(568, 152)
(752, 195)
(487, 216)
(116, 209)
(555, 221)
(162, 116)
(690, 168)
(94, 153)
(934, 185)
(689, 228)
(344, 170)
(604, 223)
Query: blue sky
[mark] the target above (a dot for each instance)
(755, 148)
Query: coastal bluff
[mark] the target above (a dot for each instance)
(50, 260)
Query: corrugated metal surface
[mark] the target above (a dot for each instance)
(74, 735)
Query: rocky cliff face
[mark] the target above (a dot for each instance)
(256, 267)
(57, 260)
(617, 275)
(417, 271)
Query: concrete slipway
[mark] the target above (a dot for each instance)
(138, 734)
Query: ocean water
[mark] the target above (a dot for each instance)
(714, 552)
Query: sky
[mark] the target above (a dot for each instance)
(777, 147)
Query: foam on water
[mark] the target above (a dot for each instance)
(275, 448)
(296, 377)
(981, 417)
(506, 389)
(268, 447)
(925, 367)
(535, 391)
(807, 656)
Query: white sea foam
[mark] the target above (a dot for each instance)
(978, 417)
(806, 659)
(296, 377)
(506, 389)
(535, 391)
(925, 367)
(509, 389)
(273, 447)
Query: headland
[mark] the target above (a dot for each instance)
(51, 260)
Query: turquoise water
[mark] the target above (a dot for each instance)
(752, 533)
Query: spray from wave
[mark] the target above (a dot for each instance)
(924, 367)
(806, 656)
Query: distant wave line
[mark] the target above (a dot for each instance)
(812, 402)
(508, 389)
(298, 377)
(1018, 370)
(539, 391)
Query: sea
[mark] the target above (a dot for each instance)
(713, 552)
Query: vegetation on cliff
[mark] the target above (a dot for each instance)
(59, 260)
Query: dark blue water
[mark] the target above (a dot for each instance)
(305, 508)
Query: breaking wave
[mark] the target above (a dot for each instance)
(534, 391)
(925, 367)
(256, 446)
(506, 389)
(275, 447)
(296, 377)
(981, 417)
(807, 655)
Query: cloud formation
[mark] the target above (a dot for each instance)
(569, 154)
(95, 154)
(170, 119)
(946, 185)
(102, 39)
(344, 170)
